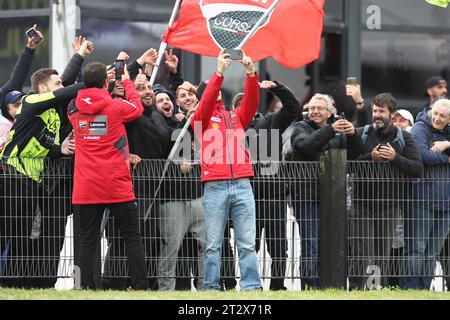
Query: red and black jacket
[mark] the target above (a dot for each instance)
(222, 132)
(102, 165)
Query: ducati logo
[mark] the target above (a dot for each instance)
(83, 124)
(229, 23)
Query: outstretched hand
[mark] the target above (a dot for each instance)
(266, 84)
(149, 57)
(223, 62)
(85, 48)
(33, 42)
(248, 65)
(171, 61)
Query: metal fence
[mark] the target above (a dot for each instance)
(37, 242)
(398, 226)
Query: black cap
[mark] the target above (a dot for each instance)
(201, 88)
(158, 88)
(434, 81)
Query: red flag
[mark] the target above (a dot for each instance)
(291, 34)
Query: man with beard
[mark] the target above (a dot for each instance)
(181, 207)
(149, 138)
(376, 206)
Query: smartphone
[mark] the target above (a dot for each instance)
(352, 80)
(382, 145)
(72, 135)
(235, 54)
(32, 32)
(343, 116)
(119, 68)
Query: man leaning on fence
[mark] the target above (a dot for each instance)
(377, 204)
(102, 170)
(427, 224)
(227, 189)
(311, 137)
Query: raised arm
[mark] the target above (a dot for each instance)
(250, 101)
(38, 103)
(131, 108)
(290, 108)
(174, 76)
(82, 48)
(211, 93)
(22, 68)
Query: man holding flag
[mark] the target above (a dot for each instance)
(290, 32)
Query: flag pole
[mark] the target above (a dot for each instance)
(188, 122)
(167, 162)
(163, 46)
(258, 24)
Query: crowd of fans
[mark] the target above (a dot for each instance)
(36, 125)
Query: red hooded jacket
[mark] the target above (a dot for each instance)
(223, 152)
(102, 158)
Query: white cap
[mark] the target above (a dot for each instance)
(407, 115)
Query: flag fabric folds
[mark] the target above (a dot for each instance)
(291, 34)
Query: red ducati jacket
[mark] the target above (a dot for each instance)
(222, 136)
(102, 165)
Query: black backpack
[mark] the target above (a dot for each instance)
(399, 139)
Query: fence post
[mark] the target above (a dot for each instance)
(333, 219)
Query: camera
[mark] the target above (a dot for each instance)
(235, 54)
(119, 68)
(32, 32)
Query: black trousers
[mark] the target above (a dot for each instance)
(271, 215)
(127, 218)
(32, 228)
(372, 230)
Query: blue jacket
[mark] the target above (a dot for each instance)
(424, 134)
(435, 187)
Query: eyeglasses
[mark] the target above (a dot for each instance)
(318, 108)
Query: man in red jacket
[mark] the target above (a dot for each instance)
(226, 170)
(102, 169)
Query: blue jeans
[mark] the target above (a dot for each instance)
(307, 214)
(235, 198)
(426, 229)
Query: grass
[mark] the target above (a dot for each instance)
(384, 294)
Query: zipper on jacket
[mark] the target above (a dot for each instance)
(226, 142)
(212, 157)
